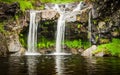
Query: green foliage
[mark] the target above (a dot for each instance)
(2, 28)
(77, 44)
(44, 43)
(24, 4)
(94, 21)
(59, 1)
(23, 40)
(110, 48)
(79, 25)
(42, 7)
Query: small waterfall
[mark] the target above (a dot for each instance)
(78, 7)
(89, 32)
(32, 35)
(89, 28)
(60, 29)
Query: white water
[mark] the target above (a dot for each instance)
(89, 33)
(89, 28)
(32, 35)
(61, 25)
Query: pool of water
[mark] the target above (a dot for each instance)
(59, 65)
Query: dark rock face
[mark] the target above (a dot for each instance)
(106, 8)
(7, 10)
(10, 40)
(106, 20)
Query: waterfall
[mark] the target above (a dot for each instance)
(61, 24)
(89, 32)
(32, 35)
(60, 29)
(89, 28)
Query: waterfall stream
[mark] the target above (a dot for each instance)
(64, 15)
(32, 35)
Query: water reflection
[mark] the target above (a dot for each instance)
(59, 65)
(32, 65)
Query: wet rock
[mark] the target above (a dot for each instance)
(101, 25)
(14, 46)
(74, 51)
(49, 14)
(3, 45)
(88, 52)
(100, 54)
(13, 43)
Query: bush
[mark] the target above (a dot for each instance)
(45, 43)
(112, 48)
(77, 44)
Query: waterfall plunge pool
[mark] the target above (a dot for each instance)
(59, 65)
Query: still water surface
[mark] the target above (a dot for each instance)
(59, 65)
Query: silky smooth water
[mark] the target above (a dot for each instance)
(64, 15)
(59, 65)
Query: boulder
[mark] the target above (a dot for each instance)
(88, 52)
(14, 45)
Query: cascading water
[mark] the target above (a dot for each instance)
(89, 28)
(89, 32)
(32, 35)
(60, 29)
(61, 25)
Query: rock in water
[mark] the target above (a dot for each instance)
(88, 52)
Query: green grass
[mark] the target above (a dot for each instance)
(112, 48)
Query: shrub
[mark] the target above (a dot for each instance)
(112, 48)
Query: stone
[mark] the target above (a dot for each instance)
(74, 51)
(101, 24)
(13, 43)
(3, 45)
(100, 54)
(49, 14)
(115, 34)
(88, 52)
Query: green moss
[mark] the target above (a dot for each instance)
(95, 22)
(2, 28)
(112, 48)
(23, 40)
(79, 25)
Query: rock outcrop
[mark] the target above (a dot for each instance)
(7, 11)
